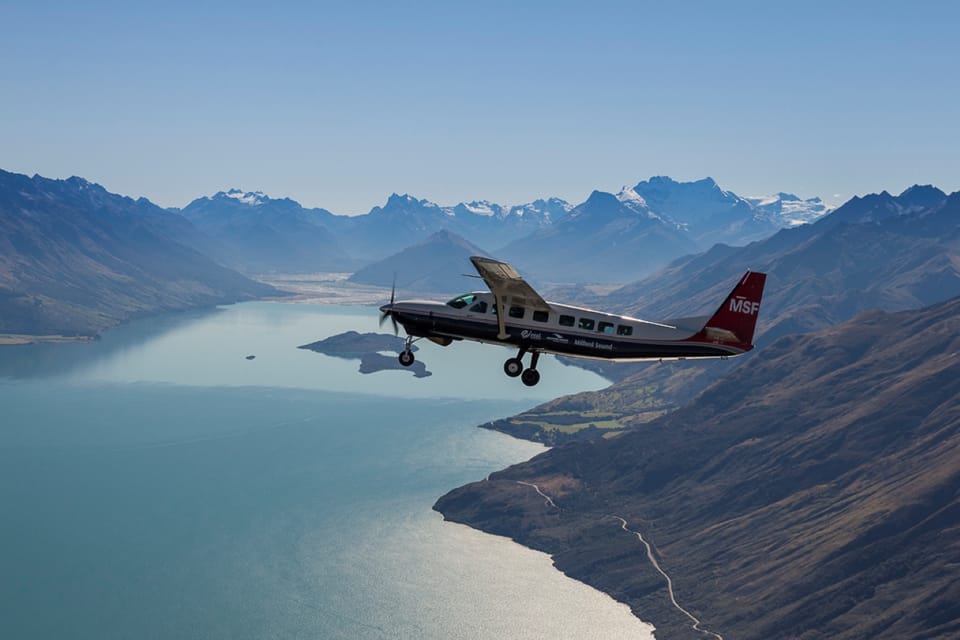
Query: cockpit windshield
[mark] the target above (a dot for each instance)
(462, 301)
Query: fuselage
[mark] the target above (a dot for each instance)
(564, 329)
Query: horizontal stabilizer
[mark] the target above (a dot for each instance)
(694, 323)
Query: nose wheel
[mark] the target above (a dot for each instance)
(513, 367)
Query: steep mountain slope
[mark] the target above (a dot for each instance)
(435, 265)
(812, 494)
(879, 251)
(75, 259)
(818, 275)
(257, 234)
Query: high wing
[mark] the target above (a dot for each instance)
(508, 288)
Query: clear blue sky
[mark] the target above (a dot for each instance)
(339, 104)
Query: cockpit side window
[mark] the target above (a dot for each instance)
(480, 307)
(461, 301)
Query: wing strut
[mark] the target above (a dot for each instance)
(501, 317)
(507, 287)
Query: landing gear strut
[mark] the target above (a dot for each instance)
(513, 367)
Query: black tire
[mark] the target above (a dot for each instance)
(530, 377)
(406, 358)
(513, 367)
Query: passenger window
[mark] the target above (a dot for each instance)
(516, 312)
(624, 330)
(480, 307)
(541, 316)
(586, 323)
(605, 327)
(566, 321)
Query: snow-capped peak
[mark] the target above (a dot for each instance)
(482, 208)
(789, 210)
(252, 198)
(627, 194)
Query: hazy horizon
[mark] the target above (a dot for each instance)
(338, 107)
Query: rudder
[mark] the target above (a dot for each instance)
(736, 319)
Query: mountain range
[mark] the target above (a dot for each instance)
(607, 238)
(76, 259)
(812, 493)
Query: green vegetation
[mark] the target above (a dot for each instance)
(595, 414)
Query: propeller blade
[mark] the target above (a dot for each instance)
(396, 330)
(393, 288)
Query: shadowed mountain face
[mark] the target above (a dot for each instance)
(258, 234)
(605, 239)
(437, 264)
(856, 258)
(75, 259)
(814, 493)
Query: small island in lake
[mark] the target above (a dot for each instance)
(366, 347)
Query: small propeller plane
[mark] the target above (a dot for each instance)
(512, 314)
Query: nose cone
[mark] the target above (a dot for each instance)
(385, 308)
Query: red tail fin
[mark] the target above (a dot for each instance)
(736, 319)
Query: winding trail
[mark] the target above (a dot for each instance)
(549, 500)
(673, 598)
(653, 561)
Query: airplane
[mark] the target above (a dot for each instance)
(513, 314)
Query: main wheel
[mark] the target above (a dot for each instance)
(406, 358)
(530, 377)
(513, 367)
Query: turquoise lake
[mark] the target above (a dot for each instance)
(156, 484)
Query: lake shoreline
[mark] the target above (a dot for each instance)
(215, 491)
